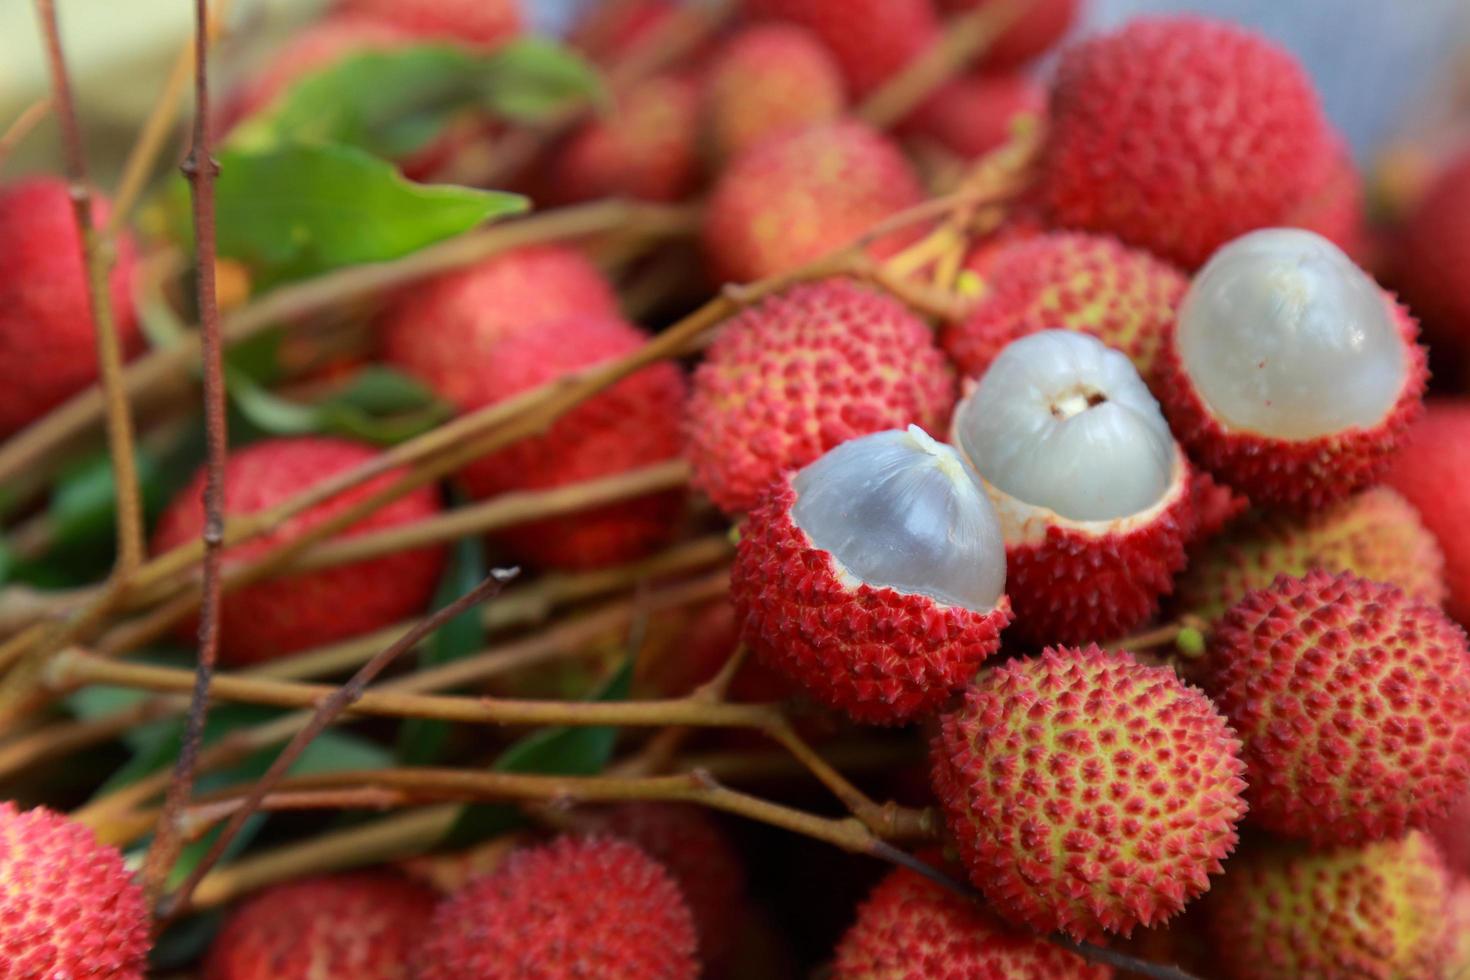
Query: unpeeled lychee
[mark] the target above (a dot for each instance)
(609, 32)
(871, 39)
(68, 906)
(974, 114)
(363, 925)
(1374, 911)
(910, 928)
(1291, 375)
(794, 198)
(1335, 207)
(1432, 254)
(485, 23)
(801, 372)
(874, 578)
(593, 906)
(48, 345)
(1088, 792)
(1352, 701)
(270, 619)
(1178, 134)
(1433, 472)
(1041, 24)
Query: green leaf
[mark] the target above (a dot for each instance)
(379, 405)
(297, 211)
(533, 78)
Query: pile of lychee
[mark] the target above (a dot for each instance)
(1160, 545)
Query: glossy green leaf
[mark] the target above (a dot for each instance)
(379, 405)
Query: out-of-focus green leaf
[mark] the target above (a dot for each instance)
(379, 405)
(83, 508)
(534, 77)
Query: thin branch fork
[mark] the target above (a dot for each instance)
(29, 118)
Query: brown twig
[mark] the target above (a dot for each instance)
(29, 118)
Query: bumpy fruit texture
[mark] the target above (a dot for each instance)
(874, 578)
(48, 347)
(801, 372)
(363, 925)
(645, 148)
(1291, 375)
(1040, 26)
(1335, 207)
(1433, 253)
(1374, 912)
(593, 906)
(484, 23)
(974, 114)
(767, 80)
(1376, 535)
(794, 198)
(283, 615)
(1178, 134)
(1353, 702)
(1088, 792)
(68, 906)
(1068, 280)
(1433, 472)
(910, 928)
(871, 39)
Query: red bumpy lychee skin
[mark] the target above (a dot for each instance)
(1179, 134)
(871, 39)
(363, 925)
(483, 23)
(1122, 296)
(593, 907)
(1088, 792)
(1353, 702)
(794, 198)
(974, 114)
(48, 347)
(1041, 25)
(801, 372)
(68, 906)
(1433, 473)
(279, 616)
(1335, 207)
(1433, 253)
(910, 928)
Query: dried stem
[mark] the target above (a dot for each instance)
(29, 118)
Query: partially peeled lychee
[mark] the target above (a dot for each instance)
(1093, 494)
(1291, 375)
(874, 577)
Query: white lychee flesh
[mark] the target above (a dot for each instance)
(1284, 336)
(899, 510)
(1062, 421)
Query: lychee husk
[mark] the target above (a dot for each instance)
(1376, 535)
(1374, 912)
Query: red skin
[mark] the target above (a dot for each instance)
(48, 346)
(482, 23)
(1040, 27)
(280, 616)
(974, 114)
(1433, 253)
(871, 39)
(1335, 209)
(609, 32)
(1432, 471)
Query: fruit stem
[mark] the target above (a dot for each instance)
(24, 123)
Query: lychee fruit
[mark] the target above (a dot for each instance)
(609, 32)
(910, 928)
(48, 344)
(801, 372)
(483, 23)
(1178, 134)
(1073, 281)
(871, 39)
(1335, 207)
(1352, 701)
(1291, 375)
(1433, 250)
(363, 925)
(1452, 833)
(270, 619)
(974, 114)
(767, 80)
(1039, 27)
(1376, 535)
(794, 198)
(1374, 911)
(646, 147)
(68, 906)
(1094, 496)
(1088, 792)
(1457, 929)
(589, 906)
(874, 578)
(1433, 473)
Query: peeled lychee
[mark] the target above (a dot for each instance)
(1068, 280)
(875, 577)
(1352, 701)
(68, 906)
(591, 907)
(363, 925)
(1433, 252)
(1041, 24)
(974, 114)
(794, 198)
(801, 372)
(910, 928)
(48, 344)
(1375, 911)
(1094, 497)
(871, 39)
(1433, 472)
(484, 23)
(1177, 134)
(1291, 375)
(278, 616)
(1088, 792)
(1376, 535)
(767, 80)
